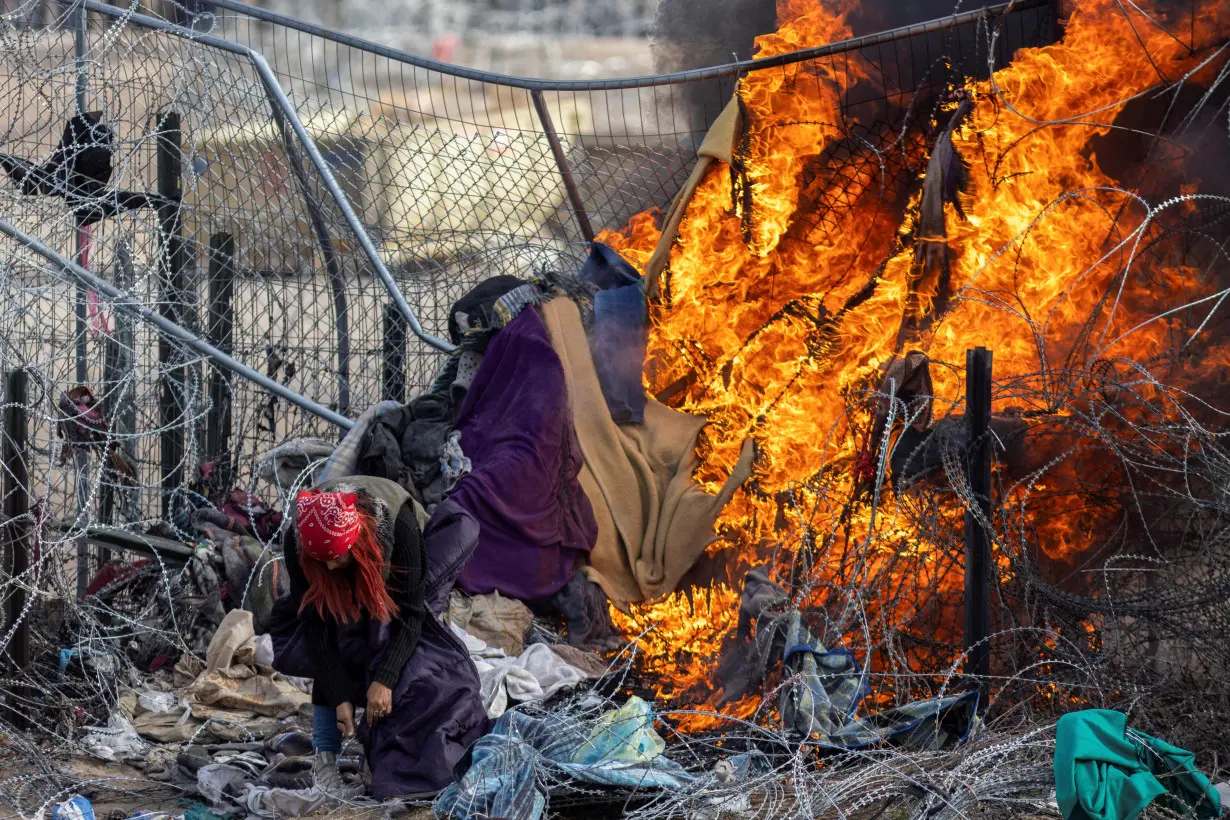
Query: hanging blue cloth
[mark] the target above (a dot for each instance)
(621, 331)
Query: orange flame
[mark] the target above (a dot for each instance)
(759, 322)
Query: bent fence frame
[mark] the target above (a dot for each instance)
(333, 195)
(283, 108)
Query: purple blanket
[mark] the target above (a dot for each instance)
(534, 519)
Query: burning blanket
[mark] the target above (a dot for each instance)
(654, 520)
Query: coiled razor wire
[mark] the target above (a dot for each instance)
(1136, 622)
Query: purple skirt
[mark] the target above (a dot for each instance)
(437, 704)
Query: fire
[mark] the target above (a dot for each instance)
(778, 311)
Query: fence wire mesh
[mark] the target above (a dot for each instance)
(457, 176)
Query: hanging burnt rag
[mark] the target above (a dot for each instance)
(945, 180)
(84, 427)
(719, 145)
(79, 170)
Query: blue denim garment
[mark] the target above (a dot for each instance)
(325, 734)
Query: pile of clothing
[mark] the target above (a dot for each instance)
(512, 670)
(538, 426)
(231, 729)
(545, 482)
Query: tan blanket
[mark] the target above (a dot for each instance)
(233, 682)
(654, 521)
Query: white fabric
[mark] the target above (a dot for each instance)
(217, 782)
(264, 650)
(537, 674)
(157, 702)
(114, 742)
(453, 462)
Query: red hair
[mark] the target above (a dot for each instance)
(332, 593)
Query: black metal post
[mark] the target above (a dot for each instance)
(17, 525)
(393, 356)
(82, 235)
(557, 149)
(174, 288)
(977, 538)
(221, 332)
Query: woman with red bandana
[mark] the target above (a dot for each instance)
(356, 619)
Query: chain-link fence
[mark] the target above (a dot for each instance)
(454, 174)
(216, 215)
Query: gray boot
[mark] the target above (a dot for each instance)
(327, 777)
(325, 773)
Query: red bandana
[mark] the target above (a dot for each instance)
(328, 524)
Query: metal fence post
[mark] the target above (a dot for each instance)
(81, 457)
(17, 525)
(80, 43)
(977, 538)
(173, 257)
(393, 356)
(221, 334)
(565, 170)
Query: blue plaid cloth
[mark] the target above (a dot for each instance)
(823, 691)
(516, 765)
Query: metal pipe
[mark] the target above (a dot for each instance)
(81, 235)
(126, 303)
(80, 46)
(557, 149)
(343, 203)
(977, 538)
(694, 75)
(278, 96)
(81, 239)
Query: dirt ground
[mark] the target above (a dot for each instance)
(122, 791)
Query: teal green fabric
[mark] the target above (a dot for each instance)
(1105, 771)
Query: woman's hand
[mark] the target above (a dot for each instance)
(379, 702)
(345, 719)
